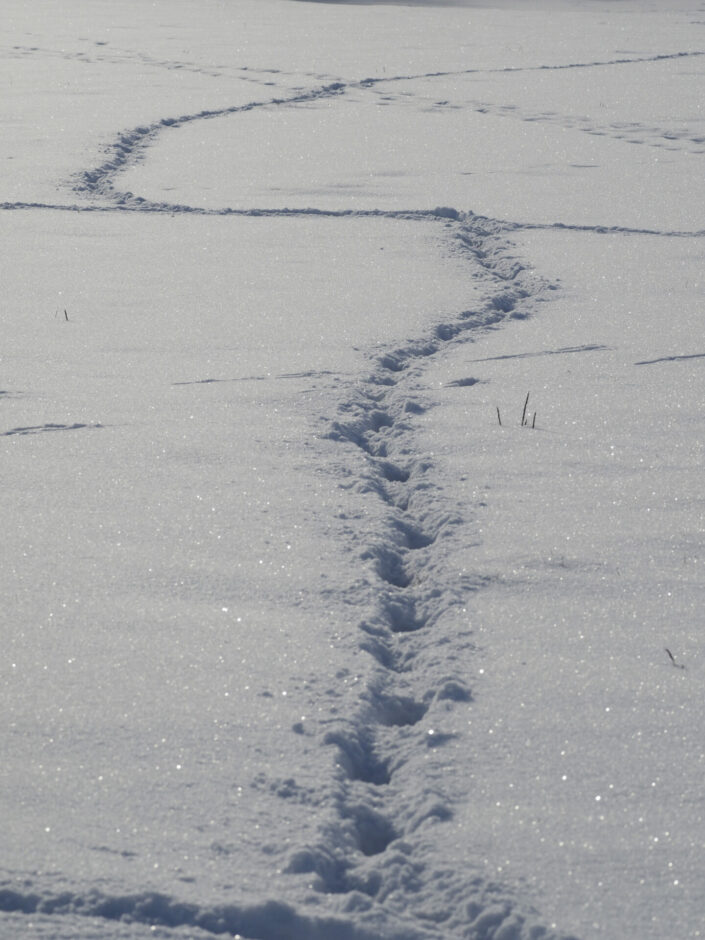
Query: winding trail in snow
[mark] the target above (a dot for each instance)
(411, 626)
(99, 183)
(369, 850)
(98, 190)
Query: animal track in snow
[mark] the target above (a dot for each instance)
(399, 713)
(402, 629)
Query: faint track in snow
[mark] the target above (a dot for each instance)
(99, 53)
(507, 225)
(116, 55)
(671, 138)
(42, 428)
(560, 66)
(602, 229)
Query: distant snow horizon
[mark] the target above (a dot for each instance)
(490, 4)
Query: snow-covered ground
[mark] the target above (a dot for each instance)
(314, 626)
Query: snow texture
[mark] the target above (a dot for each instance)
(351, 406)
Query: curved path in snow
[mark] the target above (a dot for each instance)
(372, 846)
(371, 849)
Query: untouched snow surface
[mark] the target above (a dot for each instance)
(314, 625)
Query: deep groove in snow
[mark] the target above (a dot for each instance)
(405, 619)
(358, 757)
(270, 920)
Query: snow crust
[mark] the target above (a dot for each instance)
(315, 626)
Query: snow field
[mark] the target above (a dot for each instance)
(148, 523)
(303, 643)
(177, 522)
(544, 165)
(589, 543)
